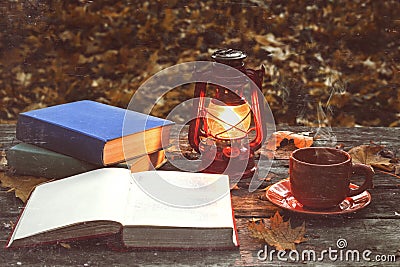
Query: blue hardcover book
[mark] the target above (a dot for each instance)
(94, 132)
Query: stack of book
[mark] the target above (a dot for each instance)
(136, 206)
(77, 137)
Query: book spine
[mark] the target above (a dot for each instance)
(24, 159)
(60, 139)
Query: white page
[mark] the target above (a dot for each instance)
(96, 195)
(143, 209)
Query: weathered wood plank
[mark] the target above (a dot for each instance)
(375, 228)
(367, 134)
(279, 170)
(7, 136)
(379, 236)
(341, 133)
(357, 135)
(384, 204)
(10, 205)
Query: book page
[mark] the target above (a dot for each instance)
(179, 199)
(96, 195)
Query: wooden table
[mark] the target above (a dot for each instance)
(375, 228)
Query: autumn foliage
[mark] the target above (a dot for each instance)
(278, 233)
(327, 62)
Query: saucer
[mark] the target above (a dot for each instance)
(281, 195)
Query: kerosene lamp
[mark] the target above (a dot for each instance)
(229, 118)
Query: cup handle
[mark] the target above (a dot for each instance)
(368, 172)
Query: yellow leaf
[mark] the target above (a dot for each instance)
(22, 185)
(279, 233)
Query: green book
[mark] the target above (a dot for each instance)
(26, 159)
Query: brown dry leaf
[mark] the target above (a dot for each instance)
(279, 234)
(299, 139)
(370, 155)
(22, 185)
(169, 19)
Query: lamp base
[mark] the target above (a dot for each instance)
(236, 161)
(219, 166)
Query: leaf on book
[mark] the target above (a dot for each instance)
(300, 140)
(279, 234)
(373, 155)
(21, 185)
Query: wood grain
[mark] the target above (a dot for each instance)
(375, 228)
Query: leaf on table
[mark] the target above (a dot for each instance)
(282, 143)
(373, 155)
(65, 245)
(300, 140)
(21, 185)
(235, 187)
(279, 234)
(3, 160)
(266, 188)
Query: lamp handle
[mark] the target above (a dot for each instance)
(258, 107)
(195, 123)
(256, 76)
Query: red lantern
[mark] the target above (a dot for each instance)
(229, 117)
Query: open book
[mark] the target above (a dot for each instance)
(152, 209)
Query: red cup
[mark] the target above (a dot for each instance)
(320, 176)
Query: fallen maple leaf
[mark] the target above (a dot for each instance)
(21, 185)
(299, 140)
(371, 155)
(279, 234)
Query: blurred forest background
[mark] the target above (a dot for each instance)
(331, 63)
